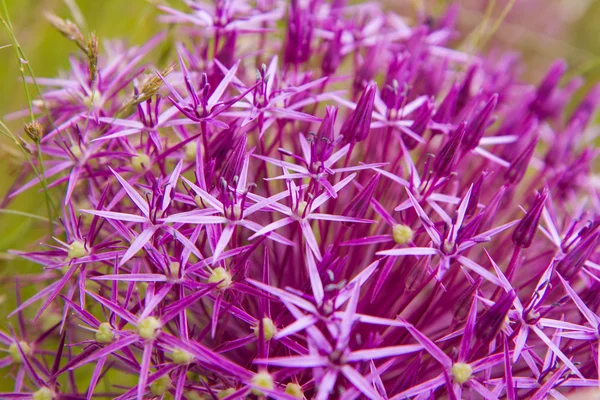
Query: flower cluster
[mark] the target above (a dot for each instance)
(315, 200)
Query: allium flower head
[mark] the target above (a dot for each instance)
(308, 200)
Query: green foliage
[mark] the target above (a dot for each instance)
(24, 223)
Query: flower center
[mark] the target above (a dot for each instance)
(198, 201)
(76, 150)
(262, 380)
(174, 268)
(448, 246)
(193, 395)
(532, 316)
(259, 100)
(140, 162)
(294, 390)
(237, 211)
(190, 151)
(43, 394)
(269, 328)
(147, 328)
(327, 308)
(225, 393)
(77, 250)
(15, 354)
(181, 357)
(302, 208)
(221, 275)
(402, 234)
(161, 385)
(94, 100)
(461, 372)
(105, 334)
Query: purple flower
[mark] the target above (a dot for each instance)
(318, 200)
(356, 127)
(526, 229)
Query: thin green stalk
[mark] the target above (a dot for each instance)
(584, 68)
(479, 31)
(22, 60)
(481, 34)
(21, 55)
(49, 205)
(24, 214)
(7, 133)
(499, 21)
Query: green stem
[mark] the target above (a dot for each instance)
(24, 214)
(22, 60)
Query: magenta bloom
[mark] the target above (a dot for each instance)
(319, 201)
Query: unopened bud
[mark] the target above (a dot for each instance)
(477, 126)
(546, 89)
(492, 321)
(474, 199)
(333, 55)
(360, 203)
(445, 112)
(572, 262)
(420, 123)
(445, 160)
(515, 173)
(464, 93)
(299, 34)
(357, 125)
(490, 210)
(324, 140)
(526, 229)
(586, 109)
(235, 161)
(34, 130)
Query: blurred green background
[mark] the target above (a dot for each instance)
(47, 52)
(541, 29)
